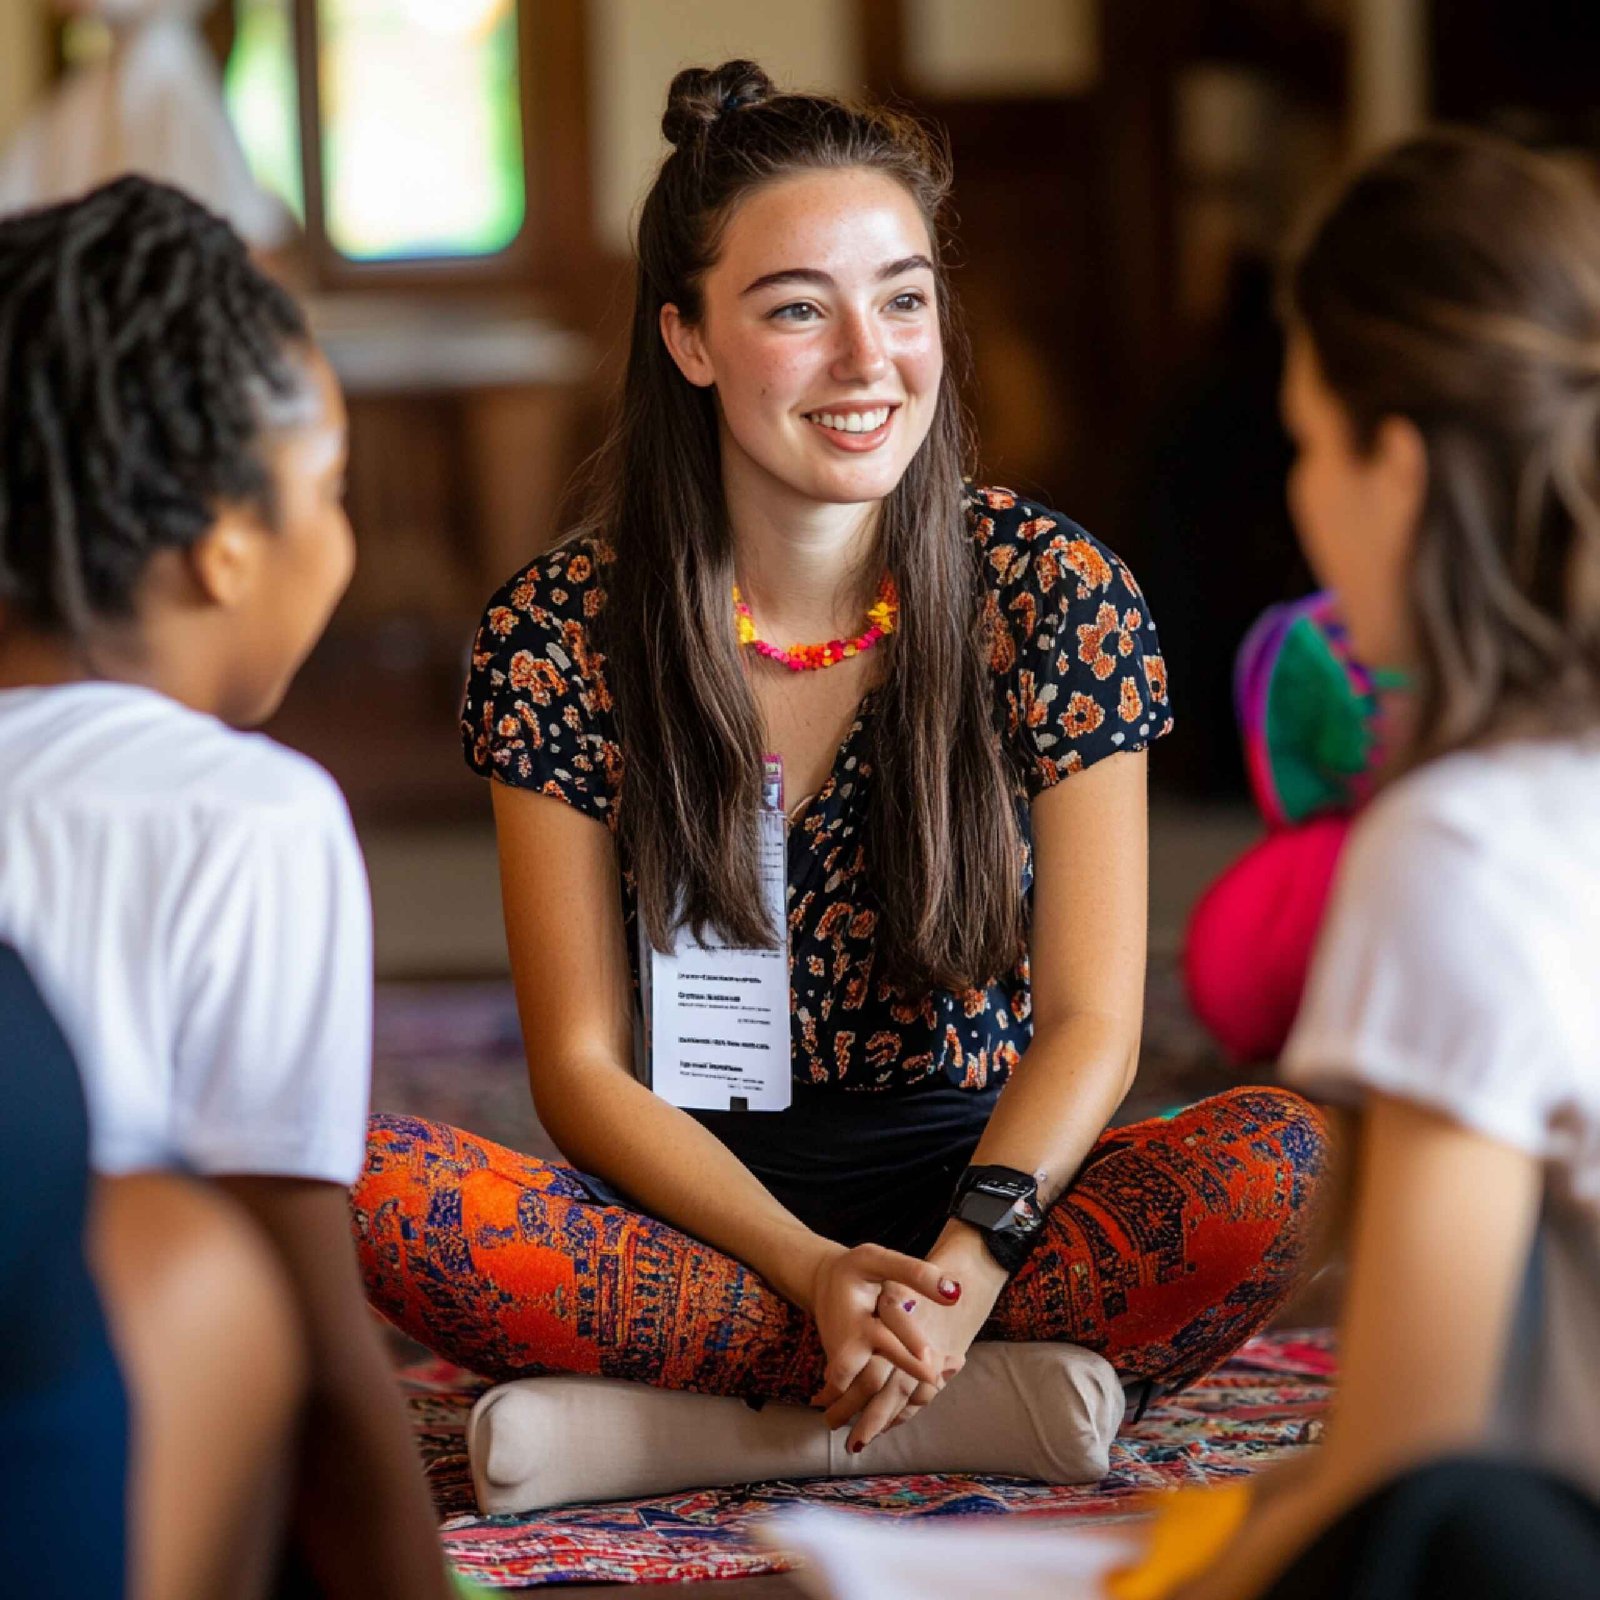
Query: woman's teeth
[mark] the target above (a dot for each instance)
(850, 421)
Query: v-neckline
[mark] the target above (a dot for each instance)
(830, 784)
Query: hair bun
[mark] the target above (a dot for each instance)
(700, 96)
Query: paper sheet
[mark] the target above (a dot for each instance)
(850, 1556)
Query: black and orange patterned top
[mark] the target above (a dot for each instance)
(1078, 675)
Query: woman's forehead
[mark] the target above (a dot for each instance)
(843, 222)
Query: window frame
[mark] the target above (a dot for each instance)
(554, 239)
(553, 251)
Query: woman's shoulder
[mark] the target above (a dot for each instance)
(537, 709)
(1073, 649)
(537, 626)
(1025, 544)
(564, 585)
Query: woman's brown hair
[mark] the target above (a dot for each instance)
(1456, 282)
(942, 851)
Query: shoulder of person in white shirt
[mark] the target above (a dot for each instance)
(173, 528)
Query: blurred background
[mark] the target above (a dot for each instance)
(450, 183)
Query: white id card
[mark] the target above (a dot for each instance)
(716, 1019)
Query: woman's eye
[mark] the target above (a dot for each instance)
(796, 311)
(911, 300)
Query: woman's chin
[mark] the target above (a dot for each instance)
(852, 482)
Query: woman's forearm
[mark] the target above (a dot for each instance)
(606, 1122)
(1061, 1096)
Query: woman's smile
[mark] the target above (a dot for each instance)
(854, 427)
(820, 336)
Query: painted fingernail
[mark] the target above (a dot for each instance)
(949, 1288)
(856, 1449)
(908, 1305)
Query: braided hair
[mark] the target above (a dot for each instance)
(141, 356)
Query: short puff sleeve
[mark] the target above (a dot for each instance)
(1072, 644)
(537, 713)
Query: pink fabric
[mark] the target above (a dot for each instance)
(1250, 939)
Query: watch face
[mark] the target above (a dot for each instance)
(996, 1183)
(986, 1210)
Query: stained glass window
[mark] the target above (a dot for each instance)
(420, 117)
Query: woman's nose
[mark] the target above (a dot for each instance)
(861, 357)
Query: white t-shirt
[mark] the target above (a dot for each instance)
(192, 903)
(1459, 969)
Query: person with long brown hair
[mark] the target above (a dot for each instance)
(963, 903)
(1443, 392)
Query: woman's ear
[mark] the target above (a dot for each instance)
(686, 347)
(1398, 461)
(225, 560)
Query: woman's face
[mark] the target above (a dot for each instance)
(820, 336)
(1355, 510)
(306, 558)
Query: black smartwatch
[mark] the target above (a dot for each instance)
(1003, 1205)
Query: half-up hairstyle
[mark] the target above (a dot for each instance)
(140, 352)
(943, 854)
(1456, 282)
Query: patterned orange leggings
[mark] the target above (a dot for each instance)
(1178, 1239)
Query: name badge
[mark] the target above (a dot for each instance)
(716, 1018)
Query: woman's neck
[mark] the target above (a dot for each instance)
(30, 659)
(807, 569)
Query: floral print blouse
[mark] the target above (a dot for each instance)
(1078, 676)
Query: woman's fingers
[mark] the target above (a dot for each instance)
(921, 1362)
(907, 1413)
(872, 1378)
(880, 1411)
(897, 1305)
(877, 1262)
(845, 1366)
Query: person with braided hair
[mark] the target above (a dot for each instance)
(189, 898)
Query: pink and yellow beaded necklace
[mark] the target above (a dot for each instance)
(881, 618)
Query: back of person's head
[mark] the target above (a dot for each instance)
(142, 356)
(1455, 283)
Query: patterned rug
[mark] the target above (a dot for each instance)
(1261, 1407)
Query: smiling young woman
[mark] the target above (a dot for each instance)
(787, 469)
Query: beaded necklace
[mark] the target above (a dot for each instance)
(813, 657)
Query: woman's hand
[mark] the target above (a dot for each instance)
(882, 1397)
(846, 1291)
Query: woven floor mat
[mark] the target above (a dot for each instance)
(1264, 1405)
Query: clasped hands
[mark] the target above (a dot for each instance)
(895, 1331)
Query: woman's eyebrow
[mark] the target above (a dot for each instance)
(905, 264)
(823, 280)
(789, 275)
